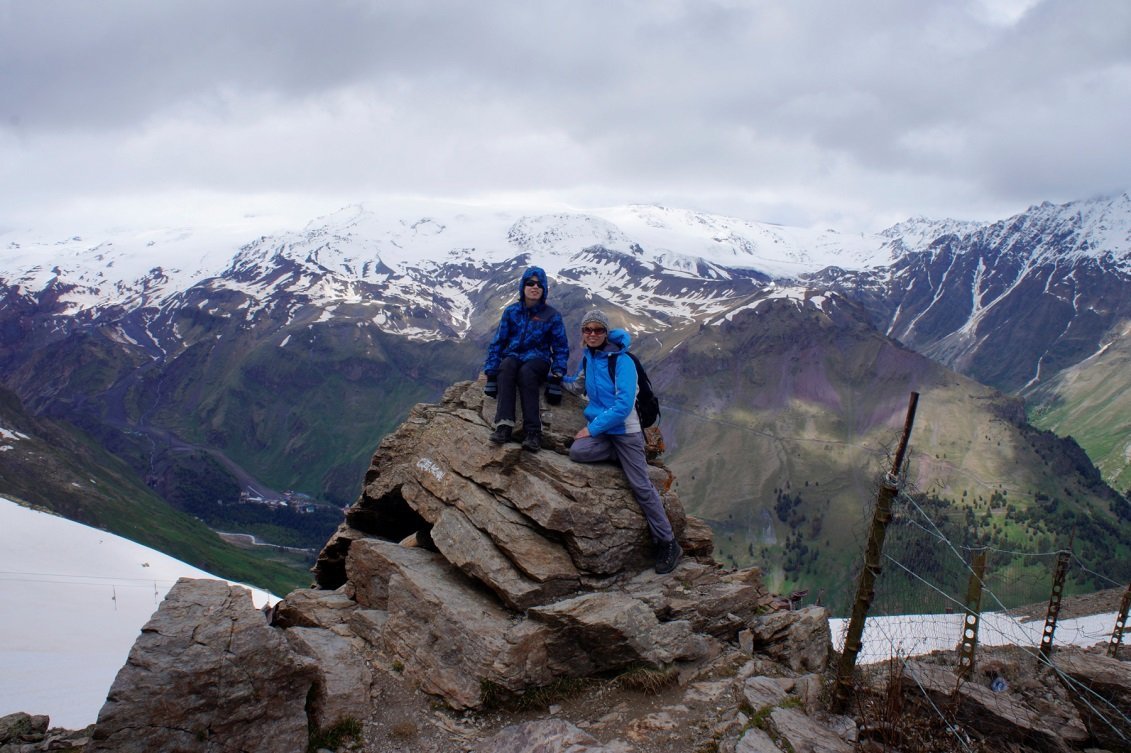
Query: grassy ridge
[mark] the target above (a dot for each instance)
(1090, 403)
(308, 415)
(61, 469)
(780, 429)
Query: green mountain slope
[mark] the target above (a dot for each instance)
(1091, 403)
(57, 467)
(780, 423)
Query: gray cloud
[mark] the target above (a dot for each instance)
(857, 114)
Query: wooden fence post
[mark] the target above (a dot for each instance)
(865, 589)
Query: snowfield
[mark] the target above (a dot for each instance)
(75, 599)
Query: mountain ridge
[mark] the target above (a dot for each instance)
(308, 347)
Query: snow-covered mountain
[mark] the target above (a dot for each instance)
(1010, 303)
(435, 256)
(287, 356)
(422, 269)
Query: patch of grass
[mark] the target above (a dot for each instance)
(649, 680)
(496, 697)
(403, 730)
(333, 737)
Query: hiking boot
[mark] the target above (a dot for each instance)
(533, 441)
(668, 555)
(502, 434)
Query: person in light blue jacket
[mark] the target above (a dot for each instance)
(613, 429)
(530, 347)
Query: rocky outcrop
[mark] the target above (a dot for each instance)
(467, 570)
(530, 527)
(207, 673)
(801, 640)
(994, 715)
(532, 567)
(1100, 686)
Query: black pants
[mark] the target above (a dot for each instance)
(528, 376)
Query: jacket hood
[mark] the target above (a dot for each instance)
(620, 337)
(533, 272)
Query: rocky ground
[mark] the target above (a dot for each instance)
(700, 709)
(641, 711)
(1099, 602)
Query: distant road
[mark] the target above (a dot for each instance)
(246, 539)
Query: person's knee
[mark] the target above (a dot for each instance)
(532, 371)
(582, 451)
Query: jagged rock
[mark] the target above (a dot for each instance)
(207, 673)
(1100, 687)
(548, 736)
(532, 567)
(528, 526)
(805, 734)
(597, 632)
(761, 692)
(449, 635)
(23, 728)
(800, 639)
(312, 608)
(719, 604)
(995, 715)
(755, 740)
(341, 690)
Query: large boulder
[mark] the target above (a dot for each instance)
(207, 674)
(481, 567)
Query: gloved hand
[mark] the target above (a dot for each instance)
(491, 389)
(554, 389)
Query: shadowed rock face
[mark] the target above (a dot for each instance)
(528, 567)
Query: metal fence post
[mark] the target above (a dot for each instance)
(1054, 606)
(1120, 625)
(973, 617)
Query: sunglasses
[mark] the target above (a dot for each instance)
(533, 284)
(593, 330)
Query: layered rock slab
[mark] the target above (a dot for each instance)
(532, 567)
(207, 673)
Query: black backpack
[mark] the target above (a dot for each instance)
(647, 404)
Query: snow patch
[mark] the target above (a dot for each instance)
(75, 599)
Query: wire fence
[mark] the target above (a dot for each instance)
(922, 619)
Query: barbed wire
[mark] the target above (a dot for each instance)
(916, 536)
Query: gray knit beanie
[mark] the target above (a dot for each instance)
(598, 316)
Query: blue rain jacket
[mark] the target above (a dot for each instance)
(531, 332)
(612, 405)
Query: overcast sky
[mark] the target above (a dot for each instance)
(828, 113)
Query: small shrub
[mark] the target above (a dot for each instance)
(403, 730)
(333, 737)
(648, 679)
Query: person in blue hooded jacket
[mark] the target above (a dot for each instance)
(529, 348)
(613, 432)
